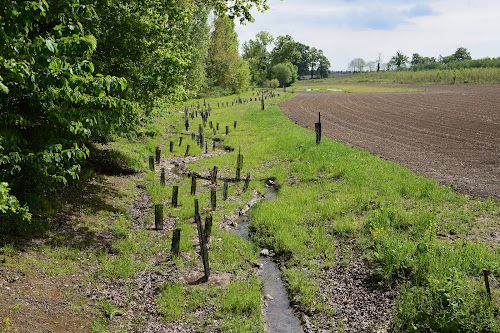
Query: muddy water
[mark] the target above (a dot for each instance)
(279, 315)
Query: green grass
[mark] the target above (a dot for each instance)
(448, 76)
(332, 194)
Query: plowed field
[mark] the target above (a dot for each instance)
(450, 133)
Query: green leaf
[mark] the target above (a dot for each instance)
(4, 88)
(50, 45)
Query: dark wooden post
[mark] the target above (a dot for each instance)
(227, 130)
(151, 163)
(193, 184)
(159, 217)
(263, 105)
(213, 198)
(208, 226)
(158, 154)
(187, 151)
(217, 126)
(180, 141)
(487, 283)
(238, 171)
(171, 146)
(317, 127)
(235, 122)
(176, 240)
(162, 177)
(211, 125)
(186, 124)
(175, 195)
(213, 145)
(213, 175)
(224, 191)
(203, 242)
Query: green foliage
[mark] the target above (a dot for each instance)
(225, 68)
(257, 55)
(282, 73)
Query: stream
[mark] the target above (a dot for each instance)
(278, 313)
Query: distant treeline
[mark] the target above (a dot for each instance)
(470, 63)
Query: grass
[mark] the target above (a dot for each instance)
(405, 224)
(448, 76)
(340, 88)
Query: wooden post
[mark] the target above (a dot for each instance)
(201, 140)
(224, 191)
(159, 217)
(227, 130)
(213, 198)
(175, 195)
(193, 136)
(196, 207)
(238, 171)
(214, 131)
(186, 124)
(247, 182)
(208, 226)
(235, 122)
(217, 126)
(180, 141)
(211, 125)
(151, 163)
(487, 283)
(206, 147)
(200, 129)
(263, 105)
(203, 246)
(158, 154)
(317, 128)
(171, 146)
(213, 175)
(193, 184)
(176, 240)
(213, 145)
(187, 151)
(162, 177)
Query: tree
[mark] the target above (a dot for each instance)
(225, 68)
(399, 60)
(285, 50)
(379, 62)
(314, 55)
(282, 73)
(461, 54)
(323, 67)
(357, 64)
(257, 55)
(416, 59)
(303, 63)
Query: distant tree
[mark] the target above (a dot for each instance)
(285, 50)
(324, 65)
(257, 55)
(372, 65)
(416, 59)
(303, 62)
(282, 73)
(225, 68)
(461, 54)
(399, 59)
(379, 61)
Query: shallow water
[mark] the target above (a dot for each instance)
(278, 313)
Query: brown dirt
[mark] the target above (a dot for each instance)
(449, 133)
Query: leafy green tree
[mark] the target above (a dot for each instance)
(399, 60)
(304, 61)
(323, 66)
(461, 54)
(257, 55)
(225, 68)
(282, 73)
(285, 50)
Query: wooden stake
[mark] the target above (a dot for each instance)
(176, 239)
(151, 163)
(247, 182)
(180, 141)
(171, 146)
(187, 151)
(208, 226)
(175, 195)
(159, 217)
(235, 122)
(158, 154)
(213, 198)
(193, 184)
(487, 283)
(238, 171)
(162, 177)
(227, 130)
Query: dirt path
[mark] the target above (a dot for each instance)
(449, 133)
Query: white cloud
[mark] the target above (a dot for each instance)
(362, 28)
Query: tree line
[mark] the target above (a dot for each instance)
(287, 61)
(461, 58)
(74, 73)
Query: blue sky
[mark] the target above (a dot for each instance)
(347, 29)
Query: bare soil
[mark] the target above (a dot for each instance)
(448, 132)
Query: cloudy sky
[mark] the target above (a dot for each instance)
(347, 29)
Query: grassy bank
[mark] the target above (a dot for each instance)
(449, 76)
(336, 206)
